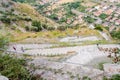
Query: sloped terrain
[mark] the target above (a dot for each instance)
(18, 16)
(63, 71)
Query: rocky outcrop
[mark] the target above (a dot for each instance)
(3, 78)
(62, 71)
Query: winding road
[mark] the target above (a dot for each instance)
(84, 53)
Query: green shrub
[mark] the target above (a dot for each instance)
(44, 26)
(116, 77)
(98, 27)
(115, 34)
(74, 5)
(19, 1)
(86, 78)
(4, 19)
(37, 25)
(62, 20)
(3, 41)
(107, 28)
(103, 16)
(13, 68)
(100, 65)
(54, 16)
(105, 78)
(62, 28)
(27, 28)
(27, 19)
(89, 19)
(50, 28)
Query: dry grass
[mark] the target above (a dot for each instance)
(88, 3)
(21, 36)
(30, 11)
(87, 32)
(65, 1)
(50, 36)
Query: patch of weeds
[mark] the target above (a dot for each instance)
(100, 65)
(86, 78)
(72, 76)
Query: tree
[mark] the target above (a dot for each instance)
(37, 25)
(19, 1)
(74, 5)
(98, 27)
(115, 34)
(103, 16)
(89, 19)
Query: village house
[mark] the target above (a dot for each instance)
(97, 13)
(98, 21)
(109, 11)
(97, 7)
(111, 28)
(118, 11)
(105, 7)
(113, 19)
(91, 26)
(48, 13)
(75, 22)
(108, 18)
(117, 22)
(105, 24)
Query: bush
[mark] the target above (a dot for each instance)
(3, 41)
(115, 77)
(74, 5)
(62, 28)
(107, 28)
(27, 19)
(37, 25)
(100, 65)
(27, 28)
(98, 27)
(54, 16)
(62, 20)
(44, 26)
(4, 19)
(86, 78)
(89, 19)
(103, 16)
(19, 1)
(115, 34)
(14, 68)
(105, 78)
(51, 28)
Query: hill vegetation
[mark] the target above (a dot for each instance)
(26, 17)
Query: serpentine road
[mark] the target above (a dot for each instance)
(84, 53)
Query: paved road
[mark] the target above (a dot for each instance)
(89, 53)
(78, 39)
(85, 53)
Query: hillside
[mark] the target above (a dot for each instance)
(60, 39)
(39, 19)
(18, 16)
